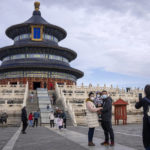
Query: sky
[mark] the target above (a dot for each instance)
(111, 38)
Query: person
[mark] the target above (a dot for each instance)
(36, 117)
(145, 103)
(24, 119)
(98, 100)
(51, 117)
(4, 117)
(51, 86)
(60, 122)
(92, 118)
(64, 118)
(98, 103)
(31, 97)
(48, 107)
(1, 121)
(45, 85)
(106, 123)
(51, 100)
(54, 99)
(56, 114)
(30, 118)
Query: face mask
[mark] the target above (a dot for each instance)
(98, 95)
(92, 98)
(104, 96)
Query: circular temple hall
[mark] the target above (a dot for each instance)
(35, 57)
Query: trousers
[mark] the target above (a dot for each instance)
(108, 130)
(90, 134)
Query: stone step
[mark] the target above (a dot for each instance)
(44, 102)
(32, 105)
(45, 117)
(44, 105)
(45, 110)
(43, 96)
(45, 121)
(42, 91)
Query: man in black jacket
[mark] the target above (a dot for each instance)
(24, 119)
(106, 119)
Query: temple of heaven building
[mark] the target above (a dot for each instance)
(36, 56)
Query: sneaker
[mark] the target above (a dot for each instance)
(105, 143)
(91, 144)
(112, 144)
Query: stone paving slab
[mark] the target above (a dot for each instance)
(81, 139)
(128, 135)
(5, 134)
(10, 144)
(41, 138)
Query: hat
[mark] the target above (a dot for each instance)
(98, 92)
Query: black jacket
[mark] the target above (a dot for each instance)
(24, 114)
(146, 126)
(143, 103)
(107, 109)
(64, 115)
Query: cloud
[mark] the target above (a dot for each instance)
(136, 7)
(107, 35)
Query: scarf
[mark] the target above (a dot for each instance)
(89, 100)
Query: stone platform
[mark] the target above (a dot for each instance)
(72, 138)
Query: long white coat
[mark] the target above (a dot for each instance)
(91, 115)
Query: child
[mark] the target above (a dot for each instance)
(60, 122)
(30, 118)
(98, 103)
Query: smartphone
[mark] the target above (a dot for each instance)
(140, 96)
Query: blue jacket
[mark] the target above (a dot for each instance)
(36, 115)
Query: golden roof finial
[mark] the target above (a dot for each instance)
(37, 5)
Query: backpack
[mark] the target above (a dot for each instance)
(148, 111)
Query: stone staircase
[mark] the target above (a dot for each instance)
(32, 102)
(60, 106)
(44, 100)
(38, 100)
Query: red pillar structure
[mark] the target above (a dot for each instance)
(120, 111)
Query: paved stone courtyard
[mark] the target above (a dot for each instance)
(43, 138)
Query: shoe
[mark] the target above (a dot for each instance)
(112, 144)
(105, 143)
(23, 132)
(91, 144)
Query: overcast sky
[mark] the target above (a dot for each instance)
(111, 37)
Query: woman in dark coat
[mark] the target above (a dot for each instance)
(145, 103)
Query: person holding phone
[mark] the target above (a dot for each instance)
(145, 103)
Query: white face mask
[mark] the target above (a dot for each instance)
(104, 96)
(98, 95)
(92, 98)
